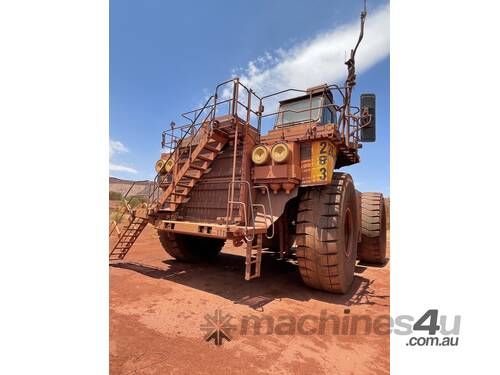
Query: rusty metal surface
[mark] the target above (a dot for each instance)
(209, 196)
(221, 188)
(279, 201)
(208, 199)
(205, 229)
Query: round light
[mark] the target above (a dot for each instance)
(260, 155)
(280, 152)
(163, 166)
(169, 164)
(159, 165)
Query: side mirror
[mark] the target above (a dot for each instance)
(368, 134)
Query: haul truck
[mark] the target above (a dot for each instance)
(220, 179)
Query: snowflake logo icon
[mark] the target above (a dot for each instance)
(217, 327)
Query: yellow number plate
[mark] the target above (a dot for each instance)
(323, 156)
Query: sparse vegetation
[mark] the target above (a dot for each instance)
(115, 196)
(118, 212)
(116, 216)
(136, 200)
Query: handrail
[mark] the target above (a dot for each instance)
(231, 202)
(159, 178)
(249, 239)
(334, 106)
(178, 141)
(201, 109)
(344, 119)
(115, 227)
(348, 123)
(251, 205)
(127, 206)
(270, 208)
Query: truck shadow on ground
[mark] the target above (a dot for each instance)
(224, 276)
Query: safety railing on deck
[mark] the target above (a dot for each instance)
(348, 123)
(178, 141)
(178, 148)
(232, 97)
(126, 208)
(248, 209)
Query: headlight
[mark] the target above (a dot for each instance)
(280, 152)
(169, 164)
(163, 166)
(159, 165)
(260, 155)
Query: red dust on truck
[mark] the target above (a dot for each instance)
(221, 179)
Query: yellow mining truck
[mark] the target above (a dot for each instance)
(220, 179)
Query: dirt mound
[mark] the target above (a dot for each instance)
(122, 186)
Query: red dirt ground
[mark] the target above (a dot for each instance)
(157, 306)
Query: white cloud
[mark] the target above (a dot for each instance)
(121, 168)
(321, 59)
(116, 147)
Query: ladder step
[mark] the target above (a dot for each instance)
(188, 186)
(253, 258)
(211, 148)
(182, 194)
(196, 176)
(174, 200)
(205, 158)
(167, 209)
(187, 179)
(134, 229)
(127, 239)
(198, 167)
(218, 136)
(210, 144)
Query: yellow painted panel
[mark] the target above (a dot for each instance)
(323, 157)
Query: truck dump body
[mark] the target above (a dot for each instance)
(208, 201)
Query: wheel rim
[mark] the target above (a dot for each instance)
(348, 232)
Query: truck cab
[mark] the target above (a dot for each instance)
(316, 106)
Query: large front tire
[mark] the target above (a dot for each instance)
(327, 228)
(372, 248)
(188, 248)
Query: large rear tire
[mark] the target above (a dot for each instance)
(188, 248)
(372, 248)
(327, 229)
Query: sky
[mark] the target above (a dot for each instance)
(167, 57)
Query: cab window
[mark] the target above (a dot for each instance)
(294, 112)
(329, 115)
